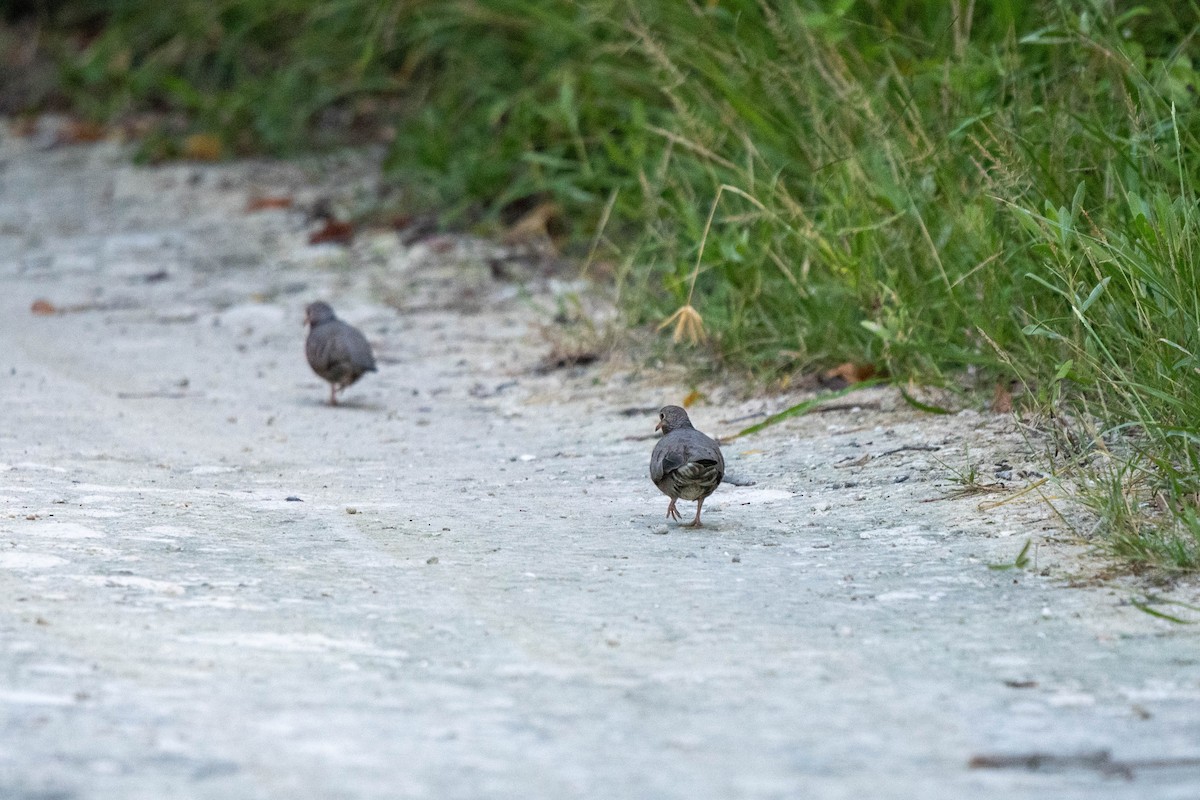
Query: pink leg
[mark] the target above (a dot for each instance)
(696, 522)
(672, 512)
(332, 394)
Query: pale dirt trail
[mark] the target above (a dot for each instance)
(501, 616)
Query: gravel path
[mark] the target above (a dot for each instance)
(462, 584)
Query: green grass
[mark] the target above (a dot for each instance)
(935, 188)
(1130, 334)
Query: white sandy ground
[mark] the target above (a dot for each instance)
(502, 615)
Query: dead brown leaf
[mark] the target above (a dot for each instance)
(1002, 399)
(847, 374)
(79, 131)
(43, 308)
(202, 147)
(534, 226)
(334, 232)
(264, 202)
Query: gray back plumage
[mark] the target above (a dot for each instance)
(336, 351)
(685, 463)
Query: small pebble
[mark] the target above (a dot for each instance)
(351, 510)
(431, 560)
(291, 498)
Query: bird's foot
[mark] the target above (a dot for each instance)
(672, 512)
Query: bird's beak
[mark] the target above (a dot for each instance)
(658, 427)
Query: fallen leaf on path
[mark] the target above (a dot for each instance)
(43, 307)
(79, 131)
(1002, 399)
(334, 232)
(847, 374)
(534, 226)
(202, 147)
(265, 202)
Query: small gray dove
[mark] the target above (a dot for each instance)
(685, 463)
(336, 351)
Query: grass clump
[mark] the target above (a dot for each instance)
(933, 188)
(1130, 331)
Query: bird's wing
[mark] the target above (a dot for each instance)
(665, 459)
(356, 348)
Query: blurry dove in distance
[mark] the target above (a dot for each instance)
(685, 463)
(336, 351)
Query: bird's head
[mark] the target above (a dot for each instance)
(318, 312)
(672, 418)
